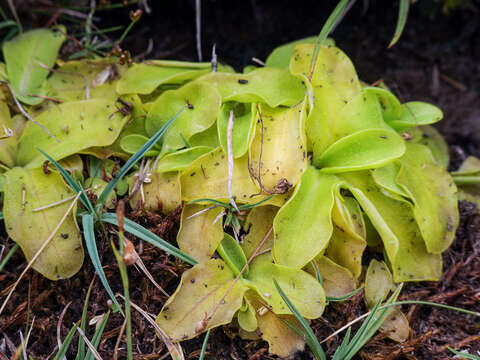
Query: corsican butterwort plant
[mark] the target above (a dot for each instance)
(284, 174)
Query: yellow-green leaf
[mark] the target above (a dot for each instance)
(181, 159)
(243, 128)
(202, 102)
(337, 280)
(145, 77)
(432, 139)
(233, 255)
(395, 222)
(378, 282)
(272, 86)
(415, 113)
(162, 193)
(199, 235)
(247, 317)
(86, 79)
(207, 177)
(303, 226)
(386, 177)
(258, 223)
(432, 190)
(281, 55)
(26, 190)
(78, 125)
(201, 290)
(8, 146)
(301, 288)
(278, 151)
(28, 57)
(282, 340)
(366, 149)
(348, 242)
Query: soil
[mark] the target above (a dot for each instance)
(436, 60)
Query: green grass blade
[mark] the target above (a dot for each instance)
(250, 206)
(1, 215)
(7, 23)
(204, 346)
(318, 275)
(142, 233)
(429, 303)
(342, 349)
(464, 355)
(89, 235)
(213, 201)
(7, 257)
(66, 343)
(70, 181)
(311, 339)
(370, 326)
(401, 21)
(83, 324)
(326, 29)
(345, 297)
(134, 158)
(466, 180)
(97, 336)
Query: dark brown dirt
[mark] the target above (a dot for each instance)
(436, 60)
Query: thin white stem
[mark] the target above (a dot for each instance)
(230, 159)
(142, 266)
(258, 61)
(219, 216)
(214, 60)
(198, 21)
(54, 204)
(201, 212)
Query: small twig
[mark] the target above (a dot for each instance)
(55, 203)
(219, 216)
(24, 192)
(435, 80)
(175, 350)
(146, 7)
(454, 83)
(201, 211)
(258, 61)
(198, 15)
(59, 326)
(255, 253)
(39, 251)
(58, 101)
(230, 160)
(119, 338)
(139, 262)
(258, 177)
(28, 116)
